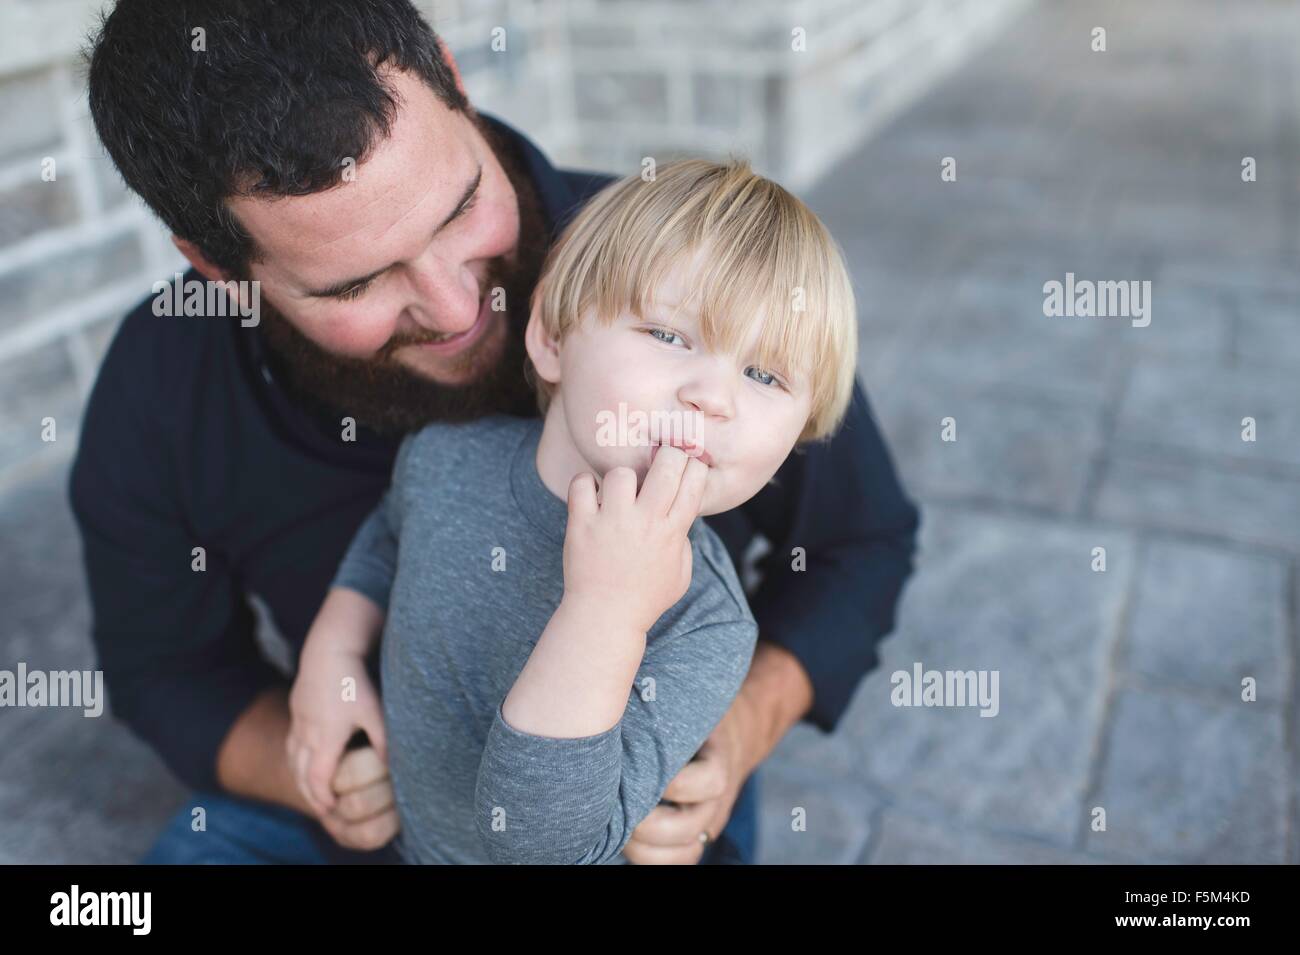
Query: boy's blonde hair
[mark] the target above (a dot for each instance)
(765, 258)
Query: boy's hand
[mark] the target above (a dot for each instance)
(324, 718)
(626, 555)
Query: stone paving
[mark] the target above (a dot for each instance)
(1119, 690)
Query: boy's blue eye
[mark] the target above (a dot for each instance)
(656, 332)
(766, 377)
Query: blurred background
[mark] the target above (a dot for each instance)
(1120, 689)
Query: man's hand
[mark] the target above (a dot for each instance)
(775, 695)
(705, 792)
(364, 815)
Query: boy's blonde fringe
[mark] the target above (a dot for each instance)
(758, 255)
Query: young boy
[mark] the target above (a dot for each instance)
(549, 667)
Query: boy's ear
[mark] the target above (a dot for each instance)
(543, 350)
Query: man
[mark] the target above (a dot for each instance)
(327, 151)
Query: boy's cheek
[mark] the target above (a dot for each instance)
(725, 493)
(761, 466)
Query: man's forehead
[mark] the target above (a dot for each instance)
(408, 183)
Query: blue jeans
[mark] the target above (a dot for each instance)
(247, 832)
(739, 840)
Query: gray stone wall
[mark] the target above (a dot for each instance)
(597, 83)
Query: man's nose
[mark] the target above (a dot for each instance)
(445, 297)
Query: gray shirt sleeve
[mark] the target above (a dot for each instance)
(370, 563)
(545, 800)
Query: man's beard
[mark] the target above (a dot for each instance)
(390, 398)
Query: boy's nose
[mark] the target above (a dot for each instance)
(710, 396)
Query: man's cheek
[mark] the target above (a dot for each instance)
(352, 335)
(500, 235)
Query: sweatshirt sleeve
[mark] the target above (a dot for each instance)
(841, 505)
(547, 801)
(175, 637)
(370, 563)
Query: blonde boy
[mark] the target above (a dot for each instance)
(686, 334)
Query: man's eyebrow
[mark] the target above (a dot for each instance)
(338, 288)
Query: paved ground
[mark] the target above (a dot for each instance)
(1119, 690)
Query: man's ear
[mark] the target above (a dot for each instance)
(451, 65)
(200, 261)
(543, 350)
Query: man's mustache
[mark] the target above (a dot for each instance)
(426, 337)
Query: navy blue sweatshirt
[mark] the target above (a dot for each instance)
(188, 441)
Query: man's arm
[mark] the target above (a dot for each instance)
(776, 694)
(174, 636)
(251, 760)
(825, 608)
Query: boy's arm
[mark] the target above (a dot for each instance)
(348, 622)
(542, 799)
(324, 715)
(346, 628)
(250, 760)
(576, 680)
(370, 564)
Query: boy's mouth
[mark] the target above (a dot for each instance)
(692, 450)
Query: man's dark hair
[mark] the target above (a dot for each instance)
(281, 94)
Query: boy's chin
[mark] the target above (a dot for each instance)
(716, 500)
(719, 500)
(709, 509)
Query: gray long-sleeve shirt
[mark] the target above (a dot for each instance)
(465, 554)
